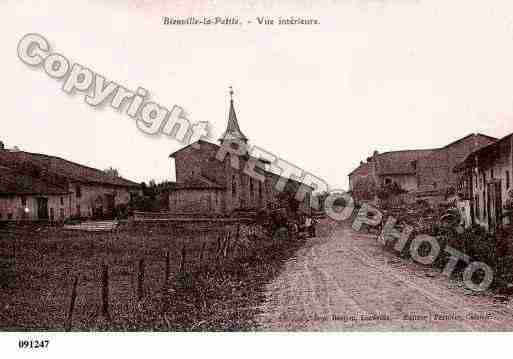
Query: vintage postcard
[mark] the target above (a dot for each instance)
(255, 166)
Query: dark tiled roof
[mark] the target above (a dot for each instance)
(363, 169)
(489, 138)
(468, 162)
(62, 168)
(401, 162)
(13, 182)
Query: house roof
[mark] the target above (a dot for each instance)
(471, 135)
(469, 160)
(61, 168)
(13, 182)
(363, 169)
(402, 162)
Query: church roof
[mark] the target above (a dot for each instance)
(214, 147)
(233, 131)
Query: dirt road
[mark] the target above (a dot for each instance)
(346, 281)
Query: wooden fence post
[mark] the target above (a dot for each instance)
(182, 262)
(12, 262)
(238, 231)
(226, 246)
(241, 251)
(218, 250)
(202, 252)
(69, 318)
(140, 280)
(105, 291)
(166, 279)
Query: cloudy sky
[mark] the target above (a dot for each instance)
(374, 75)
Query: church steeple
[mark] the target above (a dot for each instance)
(233, 132)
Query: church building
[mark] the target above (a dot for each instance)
(206, 184)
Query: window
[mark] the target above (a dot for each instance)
(9, 215)
(507, 180)
(435, 184)
(78, 191)
(388, 181)
(260, 190)
(24, 201)
(62, 200)
(491, 174)
(78, 210)
(251, 187)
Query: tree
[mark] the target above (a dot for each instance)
(111, 171)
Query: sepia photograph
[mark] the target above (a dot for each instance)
(268, 177)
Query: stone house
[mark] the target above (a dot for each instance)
(425, 174)
(484, 182)
(207, 185)
(52, 188)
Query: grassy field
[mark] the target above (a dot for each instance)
(38, 266)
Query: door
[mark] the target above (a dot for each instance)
(98, 208)
(42, 208)
(110, 200)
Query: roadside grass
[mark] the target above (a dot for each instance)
(214, 293)
(225, 297)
